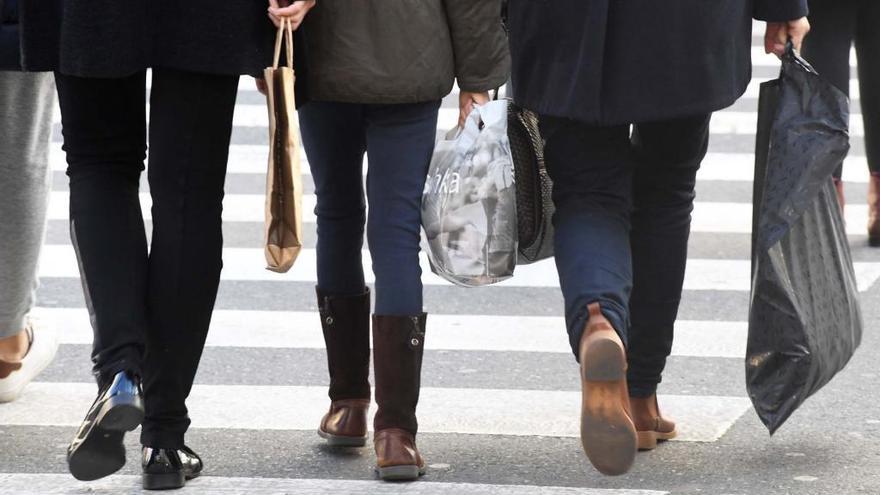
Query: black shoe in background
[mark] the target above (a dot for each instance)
(168, 468)
(97, 449)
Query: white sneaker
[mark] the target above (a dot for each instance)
(43, 346)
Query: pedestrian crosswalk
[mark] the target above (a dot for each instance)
(498, 365)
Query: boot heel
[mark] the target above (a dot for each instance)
(647, 440)
(399, 473)
(163, 481)
(604, 361)
(122, 413)
(342, 441)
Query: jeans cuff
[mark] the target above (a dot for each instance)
(642, 390)
(609, 311)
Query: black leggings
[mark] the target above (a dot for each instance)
(836, 25)
(150, 314)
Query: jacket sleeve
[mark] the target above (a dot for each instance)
(780, 10)
(10, 48)
(482, 57)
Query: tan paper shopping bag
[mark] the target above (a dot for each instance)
(284, 228)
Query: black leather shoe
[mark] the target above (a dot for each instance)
(167, 468)
(97, 449)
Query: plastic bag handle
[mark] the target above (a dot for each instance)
(792, 54)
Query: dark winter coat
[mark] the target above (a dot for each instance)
(403, 51)
(610, 62)
(114, 38)
(10, 51)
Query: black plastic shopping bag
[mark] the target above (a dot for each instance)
(804, 318)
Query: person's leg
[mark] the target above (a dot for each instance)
(591, 168)
(832, 29)
(26, 102)
(400, 141)
(867, 49)
(334, 139)
(190, 129)
(668, 155)
(103, 123)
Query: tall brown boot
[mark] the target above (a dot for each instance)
(651, 426)
(608, 434)
(874, 210)
(398, 345)
(345, 321)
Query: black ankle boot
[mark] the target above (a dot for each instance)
(97, 449)
(165, 469)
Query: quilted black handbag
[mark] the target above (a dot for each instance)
(534, 205)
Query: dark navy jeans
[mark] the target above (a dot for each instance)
(624, 197)
(399, 140)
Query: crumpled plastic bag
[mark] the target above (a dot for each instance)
(469, 201)
(805, 322)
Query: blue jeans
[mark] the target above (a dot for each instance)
(400, 140)
(623, 210)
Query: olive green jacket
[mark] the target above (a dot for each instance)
(403, 51)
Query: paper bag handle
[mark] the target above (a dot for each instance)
(285, 31)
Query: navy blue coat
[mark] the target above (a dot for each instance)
(609, 62)
(115, 38)
(10, 49)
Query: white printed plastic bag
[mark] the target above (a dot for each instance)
(469, 202)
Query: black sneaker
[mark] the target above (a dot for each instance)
(168, 468)
(97, 450)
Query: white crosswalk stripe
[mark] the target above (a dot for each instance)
(50, 484)
(248, 264)
(302, 330)
(722, 217)
(505, 408)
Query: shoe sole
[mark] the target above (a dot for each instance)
(400, 473)
(164, 481)
(342, 441)
(608, 435)
(102, 453)
(648, 440)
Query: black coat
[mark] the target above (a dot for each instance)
(114, 38)
(10, 50)
(609, 62)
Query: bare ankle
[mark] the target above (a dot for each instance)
(14, 348)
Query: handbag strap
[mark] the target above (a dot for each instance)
(285, 32)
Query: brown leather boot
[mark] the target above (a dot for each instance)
(874, 210)
(608, 434)
(841, 199)
(398, 344)
(651, 426)
(345, 321)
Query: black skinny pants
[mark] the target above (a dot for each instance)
(836, 25)
(150, 312)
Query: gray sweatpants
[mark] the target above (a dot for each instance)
(26, 103)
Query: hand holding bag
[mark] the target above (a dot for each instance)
(284, 230)
(469, 202)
